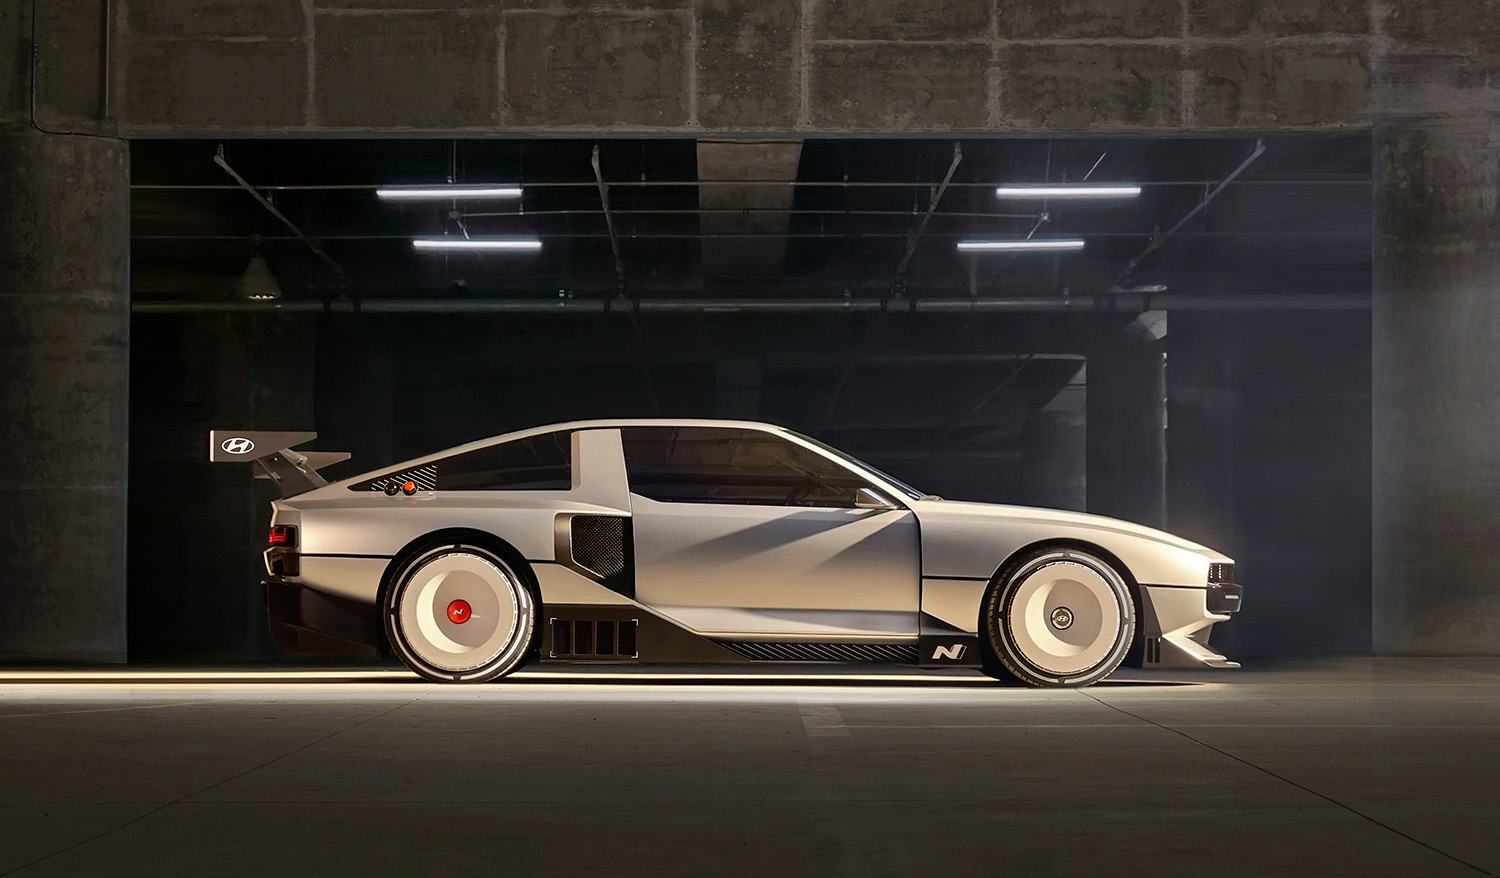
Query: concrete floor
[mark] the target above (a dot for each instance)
(1355, 767)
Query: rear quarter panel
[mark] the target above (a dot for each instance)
(370, 523)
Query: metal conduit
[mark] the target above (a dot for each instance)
(832, 184)
(1127, 303)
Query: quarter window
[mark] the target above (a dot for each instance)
(537, 463)
(732, 465)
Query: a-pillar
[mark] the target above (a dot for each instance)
(1436, 356)
(64, 344)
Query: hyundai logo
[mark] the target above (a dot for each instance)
(237, 445)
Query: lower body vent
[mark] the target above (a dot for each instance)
(897, 653)
(590, 639)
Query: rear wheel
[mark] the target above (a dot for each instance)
(459, 614)
(1060, 618)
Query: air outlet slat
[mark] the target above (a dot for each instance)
(593, 639)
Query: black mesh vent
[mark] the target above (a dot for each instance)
(599, 543)
(1220, 573)
(898, 653)
(425, 478)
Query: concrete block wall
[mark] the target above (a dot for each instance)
(753, 66)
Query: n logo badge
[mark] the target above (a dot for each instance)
(952, 653)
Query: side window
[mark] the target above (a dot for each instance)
(537, 463)
(732, 465)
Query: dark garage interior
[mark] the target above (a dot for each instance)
(1255, 308)
(1032, 378)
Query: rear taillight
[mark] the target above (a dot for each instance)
(282, 535)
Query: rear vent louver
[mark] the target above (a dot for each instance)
(594, 639)
(425, 478)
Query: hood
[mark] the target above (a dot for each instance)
(960, 509)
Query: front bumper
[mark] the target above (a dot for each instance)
(1223, 598)
(1177, 621)
(307, 621)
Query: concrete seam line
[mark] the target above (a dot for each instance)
(1286, 780)
(821, 719)
(5, 716)
(211, 786)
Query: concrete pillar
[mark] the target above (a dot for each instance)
(1127, 454)
(1055, 450)
(1436, 357)
(64, 343)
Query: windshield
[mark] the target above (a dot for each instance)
(911, 493)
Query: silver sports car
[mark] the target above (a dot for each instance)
(709, 541)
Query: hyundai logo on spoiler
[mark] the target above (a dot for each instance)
(237, 445)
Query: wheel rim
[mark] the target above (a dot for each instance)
(459, 611)
(1064, 618)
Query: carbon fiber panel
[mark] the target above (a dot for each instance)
(599, 543)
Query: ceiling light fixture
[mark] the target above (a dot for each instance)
(1068, 190)
(448, 191)
(1019, 245)
(258, 284)
(529, 245)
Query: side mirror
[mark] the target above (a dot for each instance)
(869, 498)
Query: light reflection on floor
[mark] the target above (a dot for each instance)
(617, 681)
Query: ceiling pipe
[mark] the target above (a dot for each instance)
(311, 244)
(1128, 303)
(801, 184)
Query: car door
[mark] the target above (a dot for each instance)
(741, 533)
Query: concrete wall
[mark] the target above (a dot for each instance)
(201, 66)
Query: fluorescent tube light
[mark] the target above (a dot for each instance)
(1019, 245)
(513, 244)
(1068, 190)
(448, 191)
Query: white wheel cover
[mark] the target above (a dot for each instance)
(496, 603)
(1068, 589)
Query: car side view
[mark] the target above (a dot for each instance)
(704, 541)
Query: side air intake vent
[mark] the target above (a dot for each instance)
(599, 543)
(600, 547)
(594, 639)
(897, 653)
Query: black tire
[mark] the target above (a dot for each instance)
(1058, 618)
(438, 592)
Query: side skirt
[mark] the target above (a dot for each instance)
(634, 635)
(941, 645)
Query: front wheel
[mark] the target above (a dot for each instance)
(1060, 618)
(459, 614)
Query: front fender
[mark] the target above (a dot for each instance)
(973, 540)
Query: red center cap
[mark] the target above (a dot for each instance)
(459, 612)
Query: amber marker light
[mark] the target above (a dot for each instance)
(409, 488)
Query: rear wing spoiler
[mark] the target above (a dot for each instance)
(294, 472)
